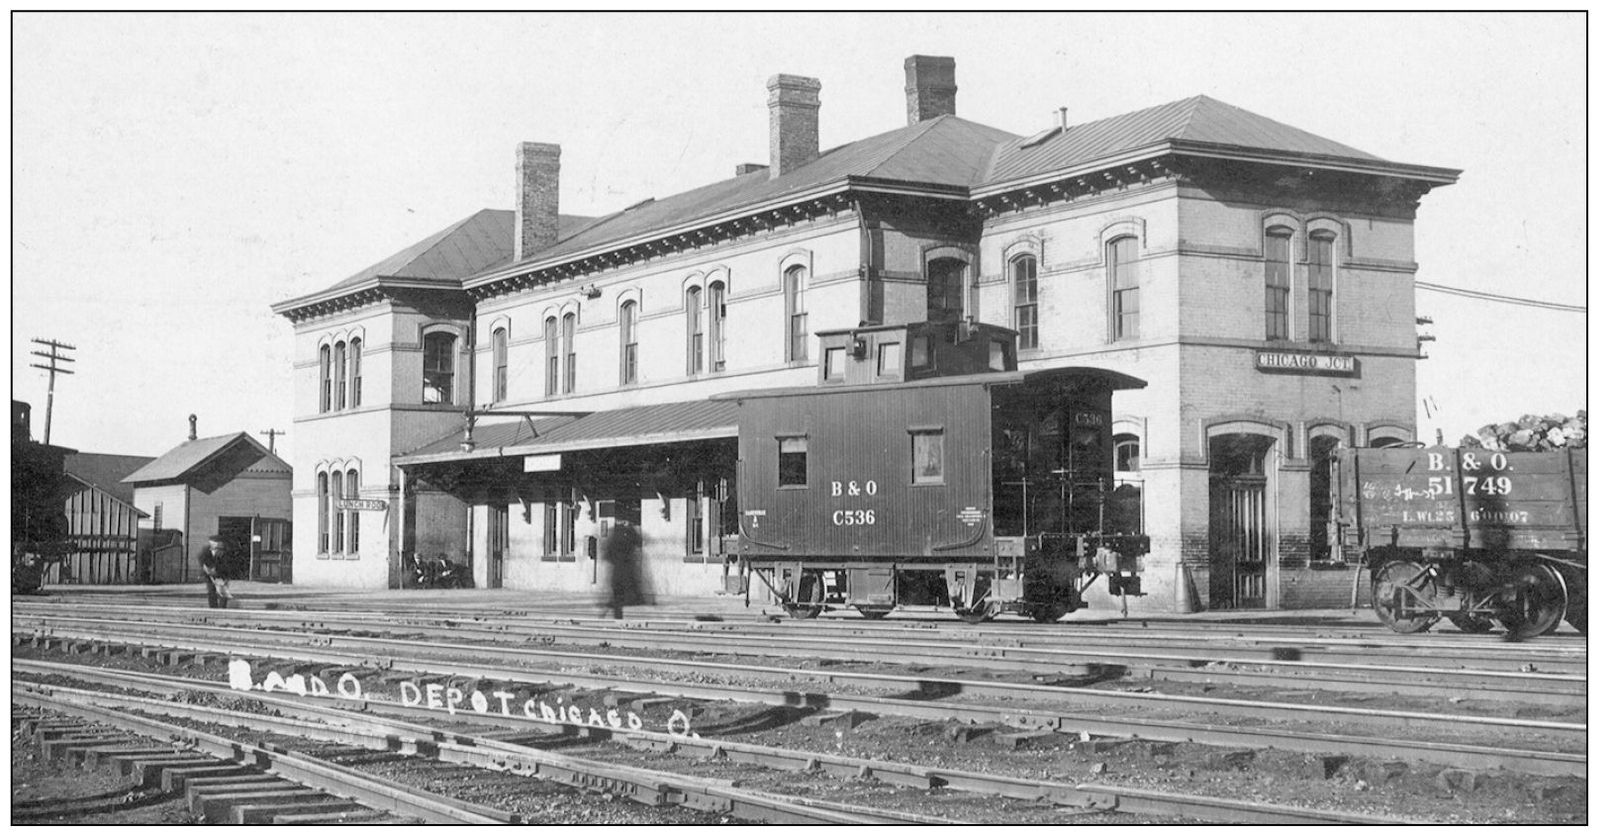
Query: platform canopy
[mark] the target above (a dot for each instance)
(512, 434)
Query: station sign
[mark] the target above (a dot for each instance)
(361, 505)
(540, 462)
(1308, 363)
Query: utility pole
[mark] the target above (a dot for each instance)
(53, 356)
(271, 433)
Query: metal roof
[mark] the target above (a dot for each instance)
(643, 425)
(194, 453)
(1200, 119)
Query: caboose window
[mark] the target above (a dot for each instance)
(792, 461)
(920, 355)
(927, 456)
(891, 358)
(997, 355)
(835, 363)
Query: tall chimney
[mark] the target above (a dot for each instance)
(538, 207)
(792, 123)
(930, 87)
(193, 427)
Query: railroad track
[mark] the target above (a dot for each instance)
(380, 724)
(351, 651)
(1213, 664)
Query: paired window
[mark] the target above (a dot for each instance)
(560, 527)
(796, 312)
(695, 321)
(1280, 273)
(339, 375)
(437, 368)
(1122, 257)
(551, 356)
(628, 324)
(1025, 299)
(501, 364)
(718, 303)
(560, 354)
(944, 289)
(1320, 289)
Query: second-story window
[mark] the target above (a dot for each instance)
(1124, 305)
(1320, 296)
(551, 357)
(1279, 274)
(796, 312)
(628, 323)
(324, 513)
(694, 323)
(568, 328)
(1025, 300)
(325, 379)
(944, 289)
(339, 370)
(717, 299)
(355, 350)
(501, 363)
(438, 369)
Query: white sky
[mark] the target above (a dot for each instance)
(174, 175)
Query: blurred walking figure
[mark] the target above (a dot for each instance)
(214, 571)
(619, 560)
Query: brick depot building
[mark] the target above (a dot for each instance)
(1258, 277)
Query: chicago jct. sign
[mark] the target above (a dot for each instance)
(1305, 362)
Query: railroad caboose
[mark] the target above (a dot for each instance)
(1477, 536)
(925, 470)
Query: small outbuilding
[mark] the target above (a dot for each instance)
(229, 485)
(102, 521)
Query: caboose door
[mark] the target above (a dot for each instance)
(1238, 542)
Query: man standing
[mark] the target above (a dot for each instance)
(214, 565)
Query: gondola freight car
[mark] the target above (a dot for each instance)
(924, 470)
(1477, 536)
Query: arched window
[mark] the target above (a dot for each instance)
(353, 516)
(1280, 274)
(568, 328)
(325, 378)
(1124, 306)
(717, 299)
(438, 368)
(324, 513)
(1025, 299)
(796, 312)
(1320, 298)
(551, 357)
(340, 371)
(944, 289)
(338, 493)
(355, 349)
(694, 323)
(501, 363)
(1126, 453)
(628, 324)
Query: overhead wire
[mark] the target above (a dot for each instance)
(1478, 295)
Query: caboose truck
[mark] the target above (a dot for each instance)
(1468, 534)
(924, 470)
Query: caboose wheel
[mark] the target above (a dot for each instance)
(1472, 623)
(874, 612)
(1540, 600)
(809, 597)
(1401, 593)
(986, 612)
(1046, 613)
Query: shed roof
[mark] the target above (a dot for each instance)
(192, 454)
(658, 424)
(107, 471)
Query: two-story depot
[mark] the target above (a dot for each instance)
(512, 387)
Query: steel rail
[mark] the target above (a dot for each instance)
(1496, 754)
(1088, 796)
(289, 765)
(372, 732)
(369, 650)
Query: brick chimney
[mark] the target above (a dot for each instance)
(792, 123)
(538, 205)
(930, 87)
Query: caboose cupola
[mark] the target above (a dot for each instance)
(894, 353)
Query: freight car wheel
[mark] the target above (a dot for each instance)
(874, 612)
(1472, 623)
(979, 615)
(1046, 613)
(809, 598)
(1540, 600)
(1402, 587)
(1575, 579)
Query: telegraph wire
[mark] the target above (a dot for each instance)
(1478, 295)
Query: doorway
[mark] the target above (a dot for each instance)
(498, 543)
(1240, 551)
